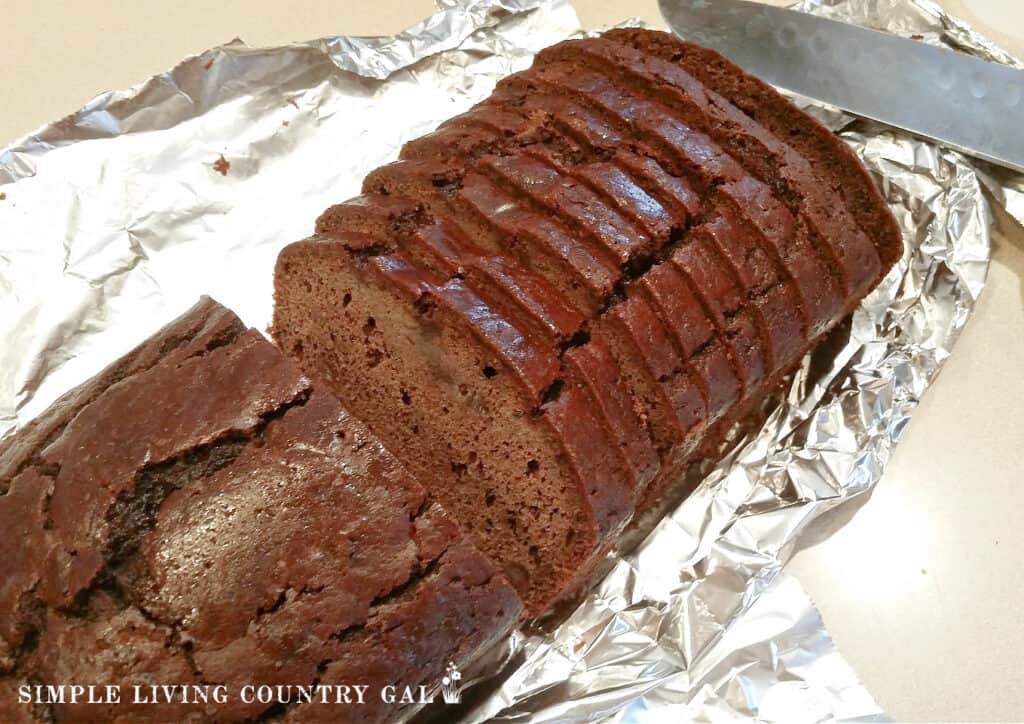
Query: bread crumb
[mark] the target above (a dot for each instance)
(221, 165)
(917, 36)
(3, 196)
(208, 64)
(292, 102)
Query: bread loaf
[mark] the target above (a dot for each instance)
(201, 514)
(557, 302)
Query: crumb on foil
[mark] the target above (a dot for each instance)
(222, 165)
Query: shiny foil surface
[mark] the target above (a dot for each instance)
(116, 218)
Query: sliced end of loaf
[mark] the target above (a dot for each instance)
(445, 406)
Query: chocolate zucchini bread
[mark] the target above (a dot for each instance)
(556, 303)
(200, 514)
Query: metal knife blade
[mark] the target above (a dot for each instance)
(961, 101)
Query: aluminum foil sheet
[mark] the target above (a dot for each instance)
(113, 220)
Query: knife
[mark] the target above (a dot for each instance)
(960, 101)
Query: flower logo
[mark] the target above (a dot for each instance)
(450, 685)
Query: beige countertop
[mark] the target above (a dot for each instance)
(921, 589)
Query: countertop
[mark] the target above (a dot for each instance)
(922, 589)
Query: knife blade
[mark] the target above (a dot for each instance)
(969, 104)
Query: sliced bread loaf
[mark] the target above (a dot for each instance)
(617, 227)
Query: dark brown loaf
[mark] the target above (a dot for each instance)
(200, 513)
(700, 232)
